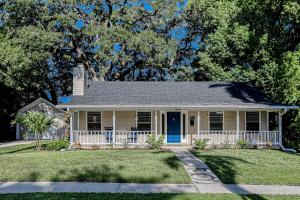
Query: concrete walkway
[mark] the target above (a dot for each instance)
(26, 187)
(199, 172)
(14, 143)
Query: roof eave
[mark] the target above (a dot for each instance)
(240, 107)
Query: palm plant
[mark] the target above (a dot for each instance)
(37, 123)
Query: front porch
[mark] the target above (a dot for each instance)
(132, 128)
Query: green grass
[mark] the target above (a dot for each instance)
(18, 148)
(252, 166)
(23, 163)
(118, 196)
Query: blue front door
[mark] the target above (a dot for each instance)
(173, 125)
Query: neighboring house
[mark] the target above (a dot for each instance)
(48, 108)
(105, 113)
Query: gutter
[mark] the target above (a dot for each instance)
(281, 145)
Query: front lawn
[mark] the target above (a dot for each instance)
(118, 196)
(23, 163)
(252, 166)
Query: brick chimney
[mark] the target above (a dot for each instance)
(79, 80)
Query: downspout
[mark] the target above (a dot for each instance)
(281, 145)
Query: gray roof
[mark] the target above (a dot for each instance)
(168, 94)
(36, 102)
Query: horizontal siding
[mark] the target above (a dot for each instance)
(264, 121)
(125, 120)
(107, 119)
(82, 120)
(229, 120)
(203, 120)
(192, 129)
(242, 120)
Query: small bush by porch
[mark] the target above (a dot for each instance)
(253, 166)
(23, 163)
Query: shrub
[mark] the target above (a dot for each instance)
(242, 144)
(156, 143)
(201, 143)
(269, 144)
(57, 145)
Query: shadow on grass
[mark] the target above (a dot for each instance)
(16, 149)
(225, 169)
(103, 173)
(173, 162)
(223, 166)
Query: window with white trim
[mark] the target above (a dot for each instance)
(94, 121)
(144, 121)
(252, 121)
(216, 121)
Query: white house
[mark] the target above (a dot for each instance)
(49, 109)
(117, 113)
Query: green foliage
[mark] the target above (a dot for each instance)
(156, 143)
(37, 123)
(250, 41)
(241, 144)
(57, 145)
(201, 143)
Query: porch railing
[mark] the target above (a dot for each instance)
(258, 138)
(108, 138)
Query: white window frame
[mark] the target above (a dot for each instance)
(87, 112)
(259, 119)
(209, 128)
(136, 118)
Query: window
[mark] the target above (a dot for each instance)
(94, 121)
(216, 121)
(273, 121)
(192, 120)
(144, 121)
(252, 121)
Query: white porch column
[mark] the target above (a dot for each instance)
(17, 131)
(71, 127)
(114, 127)
(155, 119)
(237, 124)
(280, 127)
(198, 125)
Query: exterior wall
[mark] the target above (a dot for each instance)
(229, 120)
(203, 120)
(53, 133)
(82, 120)
(125, 120)
(263, 124)
(75, 120)
(192, 129)
(107, 119)
(242, 120)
